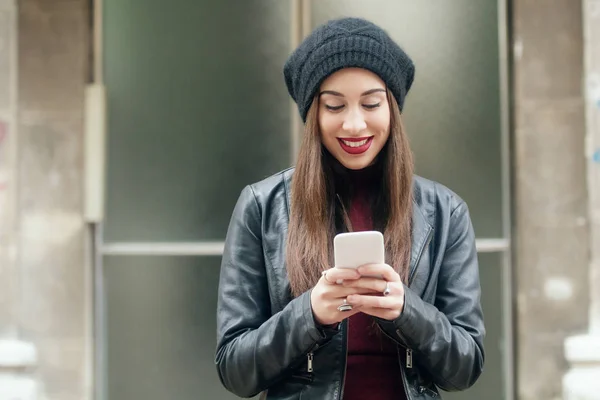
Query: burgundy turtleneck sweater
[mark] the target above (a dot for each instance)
(372, 369)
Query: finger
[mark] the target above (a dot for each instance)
(377, 286)
(383, 270)
(348, 314)
(382, 313)
(374, 284)
(333, 307)
(361, 291)
(340, 274)
(341, 292)
(332, 304)
(324, 278)
(392, 302)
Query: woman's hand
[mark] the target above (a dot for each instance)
(328, 296)
(387, 306)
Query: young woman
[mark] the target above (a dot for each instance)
(286, 325)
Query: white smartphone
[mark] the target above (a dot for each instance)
(353, 249)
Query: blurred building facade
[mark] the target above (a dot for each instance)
(119, 303)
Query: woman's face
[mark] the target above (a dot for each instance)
(354, 116)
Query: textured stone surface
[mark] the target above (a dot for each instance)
(8, 77)
(552, 225)
(583, 352)
(61, 372)
(592, 12)
(549, 146)
(53, 40)
(6, 57)
(53, 70)
(550, 39)
(546, 352)
(592, 24)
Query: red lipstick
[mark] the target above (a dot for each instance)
(356, 149)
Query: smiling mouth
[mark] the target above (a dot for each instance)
(355, 145)
(350, 143)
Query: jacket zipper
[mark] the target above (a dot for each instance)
(309, 367)
(404, 379)
(345, 344)
(310, 357)
(409, 352)
(308, 375)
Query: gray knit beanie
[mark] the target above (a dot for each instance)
(342, 43)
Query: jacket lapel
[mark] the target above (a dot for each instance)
(421, 234)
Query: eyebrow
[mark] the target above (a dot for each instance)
(338, 94)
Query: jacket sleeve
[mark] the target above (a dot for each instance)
(448, 337)
(254, 348)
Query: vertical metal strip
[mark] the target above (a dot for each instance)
(97, 235)
(507, 276)
(13, 150)
(98, 43)
(89, 317)
(99, 316)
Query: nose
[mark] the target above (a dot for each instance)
(354, 122)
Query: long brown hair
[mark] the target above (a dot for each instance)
(313, 203)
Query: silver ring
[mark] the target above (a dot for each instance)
(345, 306)
(387, 290)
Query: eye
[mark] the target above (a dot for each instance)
(334, 108)
(371, 106)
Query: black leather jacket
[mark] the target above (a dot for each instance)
(268, 341)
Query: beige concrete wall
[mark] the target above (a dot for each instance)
(53, 60)
(8, 137)
(552, 230)
(592, 85)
